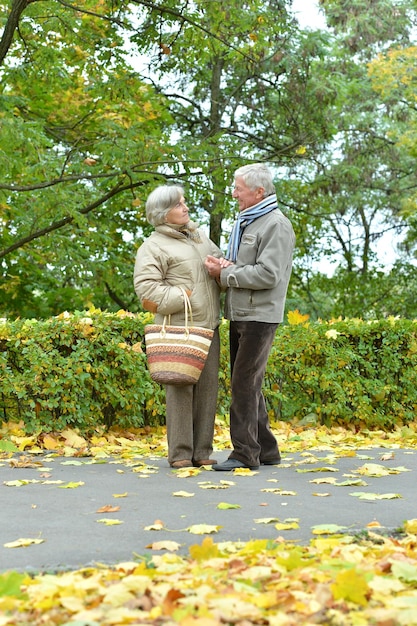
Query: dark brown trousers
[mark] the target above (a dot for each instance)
(252, 439)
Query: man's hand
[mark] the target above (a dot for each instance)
(214, 265)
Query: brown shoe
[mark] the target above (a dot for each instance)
(204, 462)
(181, 464)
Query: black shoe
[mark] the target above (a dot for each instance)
(232, 464)
(271, 461)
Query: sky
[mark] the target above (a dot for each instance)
(308, 14)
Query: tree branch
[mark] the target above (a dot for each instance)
(12, 22)
(68, 219)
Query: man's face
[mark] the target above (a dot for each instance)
(245, 196)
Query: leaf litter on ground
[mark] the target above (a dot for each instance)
(339, 578)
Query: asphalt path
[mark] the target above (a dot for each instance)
(67, 513)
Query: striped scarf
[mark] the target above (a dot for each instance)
(245, 218)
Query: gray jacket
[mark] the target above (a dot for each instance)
(168, 260)
(257, 283)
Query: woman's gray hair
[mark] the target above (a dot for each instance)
(257, 175)
(160, 201)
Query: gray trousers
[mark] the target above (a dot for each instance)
(191, 411)
(252, 439)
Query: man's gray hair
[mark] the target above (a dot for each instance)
(257, 175)
(160, 201)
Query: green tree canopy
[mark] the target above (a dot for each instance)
(100, 101)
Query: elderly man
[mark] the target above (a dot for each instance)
(256, 273)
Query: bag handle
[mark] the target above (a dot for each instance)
(188, 313)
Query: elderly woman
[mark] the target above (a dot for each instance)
(172, 259)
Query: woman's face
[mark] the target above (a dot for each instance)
(178, 214)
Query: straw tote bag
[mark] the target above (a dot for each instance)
(176, 354)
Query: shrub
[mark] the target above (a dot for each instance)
(345, 372)
(77, 370)
(89, 369)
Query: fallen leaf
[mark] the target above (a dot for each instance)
(183, 494)
(387, 456)
(410, 526)
(19, 483)
(172, 546)
(186, 472)
(373, 469)
(358, 482)
(25, 461)
(287, 526)
(207, 550)
(109, 522)
(23, 543)
(317, 469)
(209, 485)
(108, 508)
(203, 529)
(279, 491)
(226, 505)
(363, 495)
(350, 585)
(157, 525)
(327, 529)
(404, 571)
(72, 485)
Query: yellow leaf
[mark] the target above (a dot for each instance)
(183, 494)
(73, 440)
(190, 620)
(120, 495)
(209, 485)
(226, 505)
(372, 469)
(410, 526)
(185, 472)
(327, 529)
(244, 471)
(164, 545)
(72, 485)
(23, 543)
(19, 483)
(317, 469)
(207, 550)
(287, 526)
(350, 585)
(23, 442)
(203, 529)
(295, 317)
(363, 495)
(109, 522)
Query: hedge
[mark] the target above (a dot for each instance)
(87, 369)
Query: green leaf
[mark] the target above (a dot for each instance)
(225, 505)
(11, 583)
